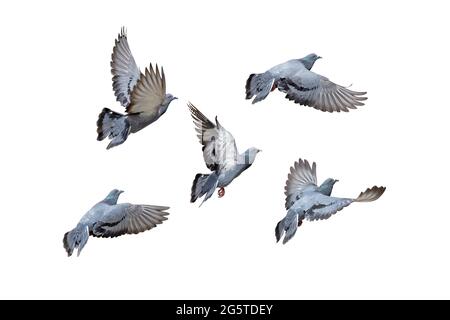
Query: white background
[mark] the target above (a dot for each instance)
(55, 79)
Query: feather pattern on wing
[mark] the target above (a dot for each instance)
(371, 194)
(310, 89)
(124, 70)
(219, 146)
(325, 206)
(126, 218)
(149, 92)
(301, 176)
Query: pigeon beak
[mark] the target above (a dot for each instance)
(259, 150)
(121, 191)
(319, 57)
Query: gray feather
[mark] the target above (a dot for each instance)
(302, 175)
(220, 155)
(109, 219)
(259, 86)
(304, 87)
(76, 238)
(371, 194)
(124, 69)
(114, 126)
(142, 94)
(307, 201)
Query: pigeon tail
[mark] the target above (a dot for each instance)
(204, 184)
(371, 194)
(113, 125)
(76, 238)
(290, 229)
(287, 226)
(258, 85)
(279, 230)
(196, 190)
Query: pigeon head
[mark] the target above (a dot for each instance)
(113, 196)
(327, 186)
(309, 60)
(168, 99)
(250, 155)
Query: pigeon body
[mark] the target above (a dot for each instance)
(306, 200)
(295, 78)
(108, 219)
(221, 157)
(142, 94)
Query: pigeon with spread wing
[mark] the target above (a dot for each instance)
(142, 94)
(221, 157)
(108, 219)
(306, 200)
(303, 86)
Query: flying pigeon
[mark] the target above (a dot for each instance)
(306, 200)
(107, 219)
(305, 87)
(142, 94)
(221, 157)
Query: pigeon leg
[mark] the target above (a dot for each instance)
(221, 192)
(299, 223)
(274, 86)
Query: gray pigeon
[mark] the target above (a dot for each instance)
(142, 94)
(306, 200)
(107, 219)
(221, 157)
(303, 86)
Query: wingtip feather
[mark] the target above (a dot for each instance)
(371, 194)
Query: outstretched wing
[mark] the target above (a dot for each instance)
(301, 176)
(124, 69)
(325, 206)
(371, 194)
(313, 90)
(126, 218)
(149, 93)
(219, 146)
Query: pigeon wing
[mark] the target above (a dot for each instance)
(126, 218)
(310, 89)
(124, 70)
(325, 206)
(219, 146)
(225, 147)
(301, 176)
(149, 93)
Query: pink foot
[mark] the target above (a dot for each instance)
(274, 86)
(221, 192)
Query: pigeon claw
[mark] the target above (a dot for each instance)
(221, 192)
